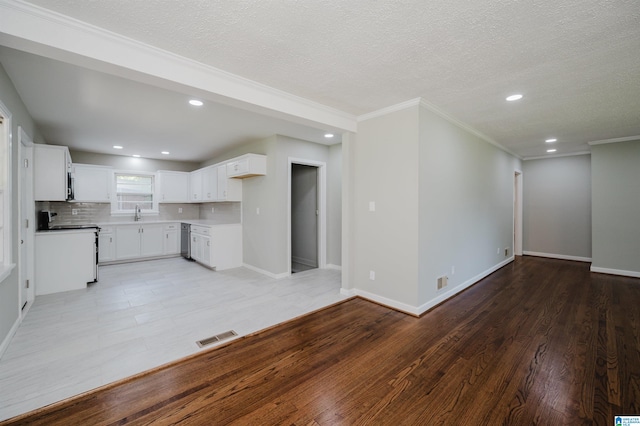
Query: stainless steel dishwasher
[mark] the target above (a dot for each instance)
(185, 240)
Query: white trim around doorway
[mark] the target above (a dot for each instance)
(322, 208)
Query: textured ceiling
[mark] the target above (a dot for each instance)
(576, 61)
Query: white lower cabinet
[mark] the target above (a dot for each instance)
(171, 239)
(139, 241)
(152, 240)
(218, 247)
(106, 245)
(65, 260)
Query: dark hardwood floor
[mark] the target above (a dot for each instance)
(540, 341)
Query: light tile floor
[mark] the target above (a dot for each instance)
(139, 316)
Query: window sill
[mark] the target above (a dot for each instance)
(5, 271)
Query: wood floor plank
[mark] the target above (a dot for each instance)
(541, 341)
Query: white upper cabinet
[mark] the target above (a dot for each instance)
(209, 184)
(195, 186)
(174, 186)
(52, 165)
(92, 183)
(247, 165)
(228, 189)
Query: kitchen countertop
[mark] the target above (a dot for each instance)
(65, 231)
(152, 222)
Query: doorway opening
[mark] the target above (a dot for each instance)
(306, 215)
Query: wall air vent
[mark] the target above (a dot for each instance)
(442, 282)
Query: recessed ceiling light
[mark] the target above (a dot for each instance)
(165, 152)
(136, 155)
(196, 102)
(551, 140)
(328, 135)
(117, 147)
(515, 97)
(551, 150)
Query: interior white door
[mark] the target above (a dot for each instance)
(27, 220)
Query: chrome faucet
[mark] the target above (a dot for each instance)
(138, 214)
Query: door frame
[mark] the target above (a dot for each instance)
(322, 209)
(517, 213)
(25, 149)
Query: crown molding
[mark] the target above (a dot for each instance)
(544, 157)
(421, 102)
(390, 109)
(37, 30)
(466, 127)
(615, 140)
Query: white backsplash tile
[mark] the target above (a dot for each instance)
(224, 213)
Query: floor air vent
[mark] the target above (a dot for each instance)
(217, 338)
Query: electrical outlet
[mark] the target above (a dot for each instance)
(213, 209)
(372, 206)
(74, 212)
(257, 210)
(453, 270)
(498, 250)
(372, 275)
(506, 251)
(179, 209)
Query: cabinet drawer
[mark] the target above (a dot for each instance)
(202, 230)
(106, 229)
(171, 227)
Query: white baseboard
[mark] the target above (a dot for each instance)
(394, 304)
(335, 267)
(5, 343)
(634, 274)
(557, 256)
(348, 292)
(419, 310)
(267, 273)
(457, 289)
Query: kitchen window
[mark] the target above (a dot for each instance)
(134, 190)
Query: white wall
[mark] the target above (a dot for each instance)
(615, 172)
(557, 207)
(9, 308)
(443, 198)
(334, 206)
(384, 170)
(466, 207)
